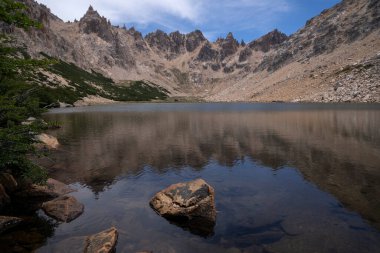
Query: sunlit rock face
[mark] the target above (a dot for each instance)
(224, 70)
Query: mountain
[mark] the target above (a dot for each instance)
(334, 58)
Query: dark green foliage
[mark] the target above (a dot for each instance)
(84, 83)
(17, 102)
(13, 60)
(14, 13)
(16, 140)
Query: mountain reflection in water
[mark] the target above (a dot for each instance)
(336, 150)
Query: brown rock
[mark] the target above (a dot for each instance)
(65, 208)
(8, 181)
(189, 200)
(102, 242)
(51, 190)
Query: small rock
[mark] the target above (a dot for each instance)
(49, 141)
(103, 242)
(65, 208)
(7, 222)
(8, 181)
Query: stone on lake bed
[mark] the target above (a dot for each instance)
(191, 201)
(103, 242)
(65, 208)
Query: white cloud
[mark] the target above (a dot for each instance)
(212, 16)
(141, 11)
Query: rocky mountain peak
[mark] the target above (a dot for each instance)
(91, 13)
(194, 40)
(207, 53)
(178, 41)
(230, 36)
(268, 41)
(158, 39)
(92, 22)
(229, 45)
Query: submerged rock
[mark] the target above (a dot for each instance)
(7, 222)
(65, 208)
(103, 242)
(189, 205)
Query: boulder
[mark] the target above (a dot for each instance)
(189, 205)
(8, 182)
(51, 190)
(7, 222)
(65, 208)
(102, 242)
(47, 141)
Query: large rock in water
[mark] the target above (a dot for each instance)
(51, 190)
(189, 205)
(65, 208)
(103, 242)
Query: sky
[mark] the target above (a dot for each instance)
(246, 19)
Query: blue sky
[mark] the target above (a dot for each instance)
(246, 19)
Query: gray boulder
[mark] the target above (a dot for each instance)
(65, 208)
(189, 205)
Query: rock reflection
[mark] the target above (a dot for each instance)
(29, 236)
(197, 226)
(336, 150)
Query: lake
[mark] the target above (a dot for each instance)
(287, 177)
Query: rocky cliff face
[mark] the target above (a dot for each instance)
(188, 64)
